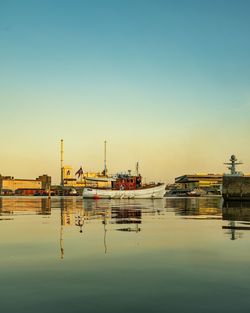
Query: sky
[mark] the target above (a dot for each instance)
(166, 83)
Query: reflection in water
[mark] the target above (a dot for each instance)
(139, 256)
(79, 221)
(25, 205)
(71, 215)
(213, 208)
(75, 211)
(233, 235)
(126, 215)
(238, 214)
(196, 206)
(236, 211)
(61, 240)
(105, 236)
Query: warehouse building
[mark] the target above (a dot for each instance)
(11, 185)
(199, 181)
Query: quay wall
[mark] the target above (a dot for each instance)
(236, 188)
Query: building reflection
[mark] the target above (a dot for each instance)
(195, 206)
(20, 206)
(236, 213)
(238, 216)
(71, 215)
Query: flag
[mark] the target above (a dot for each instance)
(79, 172)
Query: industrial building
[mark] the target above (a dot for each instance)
(85, 179)
(199, 181)
(11, 185)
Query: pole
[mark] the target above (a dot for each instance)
(49, 193)
(62, 155)
(137, 168)
(105, 158)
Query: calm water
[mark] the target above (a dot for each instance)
(171, 255)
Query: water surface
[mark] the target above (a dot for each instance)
(170, 255)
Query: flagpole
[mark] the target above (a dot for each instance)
(81, 175)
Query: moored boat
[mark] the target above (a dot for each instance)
(194, 193)
(151, 192)
(126, 187)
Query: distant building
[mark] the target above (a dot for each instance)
(9, 184)
(45, 180)
(200, 181)
(85, 179)
(69, 179)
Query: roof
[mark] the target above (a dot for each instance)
(197, 177)
(20, 179)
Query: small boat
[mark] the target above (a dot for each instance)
(126, 186)
(72, 192)
(194, 193)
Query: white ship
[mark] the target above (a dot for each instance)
(126, 187)
(123, 186)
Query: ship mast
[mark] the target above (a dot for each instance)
(232, 165)
(105, 158)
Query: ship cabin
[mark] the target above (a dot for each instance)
(127, 182)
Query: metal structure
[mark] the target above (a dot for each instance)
(105, 158)
(62, 156)
(137, 168)
(232, 165)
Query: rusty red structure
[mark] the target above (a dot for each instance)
(127, 182)
(31, 192)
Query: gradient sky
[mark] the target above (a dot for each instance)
(166, 83)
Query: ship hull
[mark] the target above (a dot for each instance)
(152, 192)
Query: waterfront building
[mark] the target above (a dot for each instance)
(199, 181)
(91, 179)
(84, 179)
(9, 184)
(67, 176)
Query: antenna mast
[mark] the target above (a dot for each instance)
(233, 162)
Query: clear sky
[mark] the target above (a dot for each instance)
(166, 83)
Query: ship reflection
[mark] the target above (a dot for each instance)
(238, 215)
(127, 217)
(112, 215)
(75, 213)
